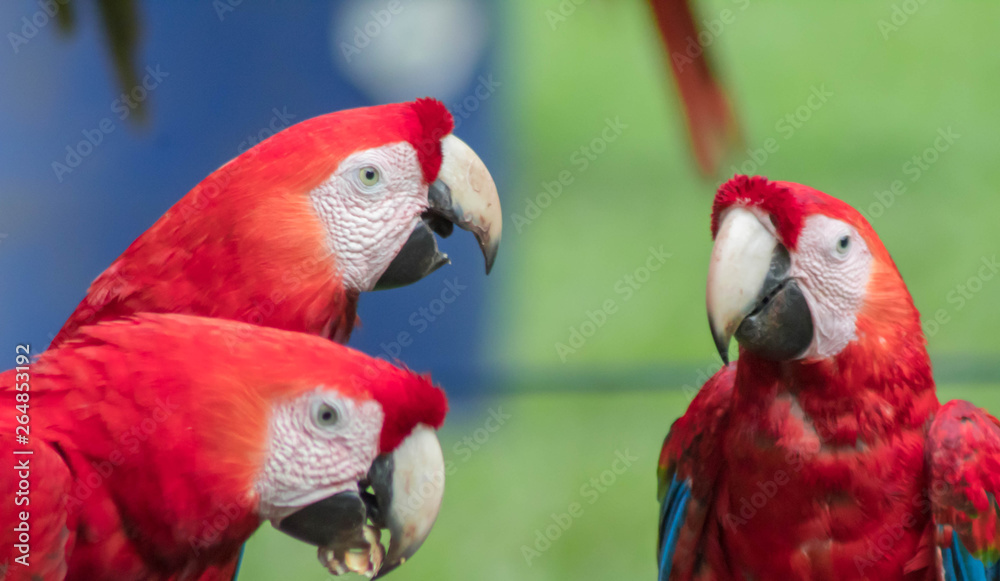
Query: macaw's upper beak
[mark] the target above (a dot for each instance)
(464, 195)
(402, 493)
(750, 293)
(408, 486)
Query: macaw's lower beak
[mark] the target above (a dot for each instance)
(464, 195)
(401, 493)
(751, 295)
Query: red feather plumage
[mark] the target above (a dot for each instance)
(842, 468)
(147, 433)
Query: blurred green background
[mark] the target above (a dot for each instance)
(620, 391)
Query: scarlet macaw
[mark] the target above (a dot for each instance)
(289, 233)
(157, 444)
(822, 453)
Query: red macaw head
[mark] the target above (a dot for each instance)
(366, 189)
(798, 275)
(327, 443)
(290, 232)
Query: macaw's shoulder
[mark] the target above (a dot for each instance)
(694, 436)
(687, 473)
(143, 278)
(963, 456)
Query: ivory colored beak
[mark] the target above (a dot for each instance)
(409, 486)
(466, 194)
(741, 260)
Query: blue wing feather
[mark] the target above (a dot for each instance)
(961, 565)
(690, 453)
(239, 562)
(963, 443)
(672, 511)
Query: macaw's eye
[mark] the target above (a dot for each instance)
(325, 415)
(369, 175)
(843, 245)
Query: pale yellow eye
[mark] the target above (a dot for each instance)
(325, 415)
(369, 175)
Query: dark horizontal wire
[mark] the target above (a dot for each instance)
(949, 369)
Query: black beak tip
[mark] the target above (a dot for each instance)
(386, 569)
(721, 343)
(724, 354)
(490, 259)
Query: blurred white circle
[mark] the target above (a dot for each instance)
(398, 50)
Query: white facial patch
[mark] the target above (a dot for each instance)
(833, 275)
(368, 223)
(312, 456)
